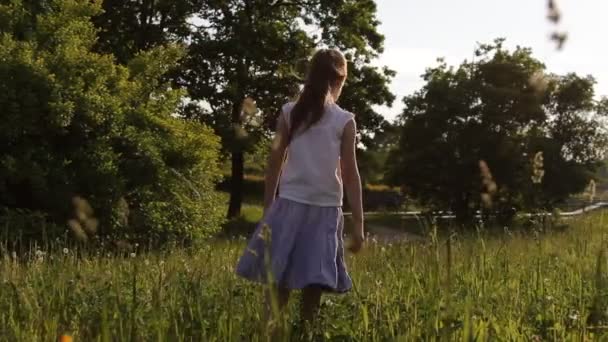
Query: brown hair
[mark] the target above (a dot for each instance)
(327, 68)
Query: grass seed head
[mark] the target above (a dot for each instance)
(538, 168)
(489, 186)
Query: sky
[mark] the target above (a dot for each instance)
(417, 32)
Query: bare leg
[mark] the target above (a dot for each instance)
(311, 300)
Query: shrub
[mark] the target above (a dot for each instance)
(75, 124)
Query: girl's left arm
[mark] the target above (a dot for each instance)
(275, 163)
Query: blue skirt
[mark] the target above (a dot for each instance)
(298, 245)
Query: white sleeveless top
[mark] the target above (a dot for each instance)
(311, 174)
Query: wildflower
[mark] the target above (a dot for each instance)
(162, 262)
(146, 262)
(14, 255)
(383, 249)
(132, 255)
(66, 251)
(65, 338)
(574, 316)
(39, 253)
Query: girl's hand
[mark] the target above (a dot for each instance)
(358, 239)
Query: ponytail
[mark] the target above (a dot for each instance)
(326, 70)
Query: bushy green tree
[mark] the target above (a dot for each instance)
(373, 158)
(503, 108)
(74, 123)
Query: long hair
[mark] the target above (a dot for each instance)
(327, 69)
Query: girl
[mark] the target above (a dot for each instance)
(300, 239)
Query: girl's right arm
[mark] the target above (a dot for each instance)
(275, 163)
(352, 182)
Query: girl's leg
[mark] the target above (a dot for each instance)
(311, 301)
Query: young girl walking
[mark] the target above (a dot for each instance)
(299, 240)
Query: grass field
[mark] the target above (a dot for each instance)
(543, 286)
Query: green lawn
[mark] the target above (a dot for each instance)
(508, 287)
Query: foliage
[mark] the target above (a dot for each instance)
(74, 123)
(129, 27)
(503, 109)
(482, 287)
(373, 158)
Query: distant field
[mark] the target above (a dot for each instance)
(543, 286)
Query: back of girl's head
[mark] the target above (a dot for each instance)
(326, 75)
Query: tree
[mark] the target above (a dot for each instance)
(257, 49)
(77, 125)
(502, 109)
(129, 27)
(373, 159)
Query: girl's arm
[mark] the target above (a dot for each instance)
(275, 163)
(352, 181)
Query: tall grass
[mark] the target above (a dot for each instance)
(550, 286)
